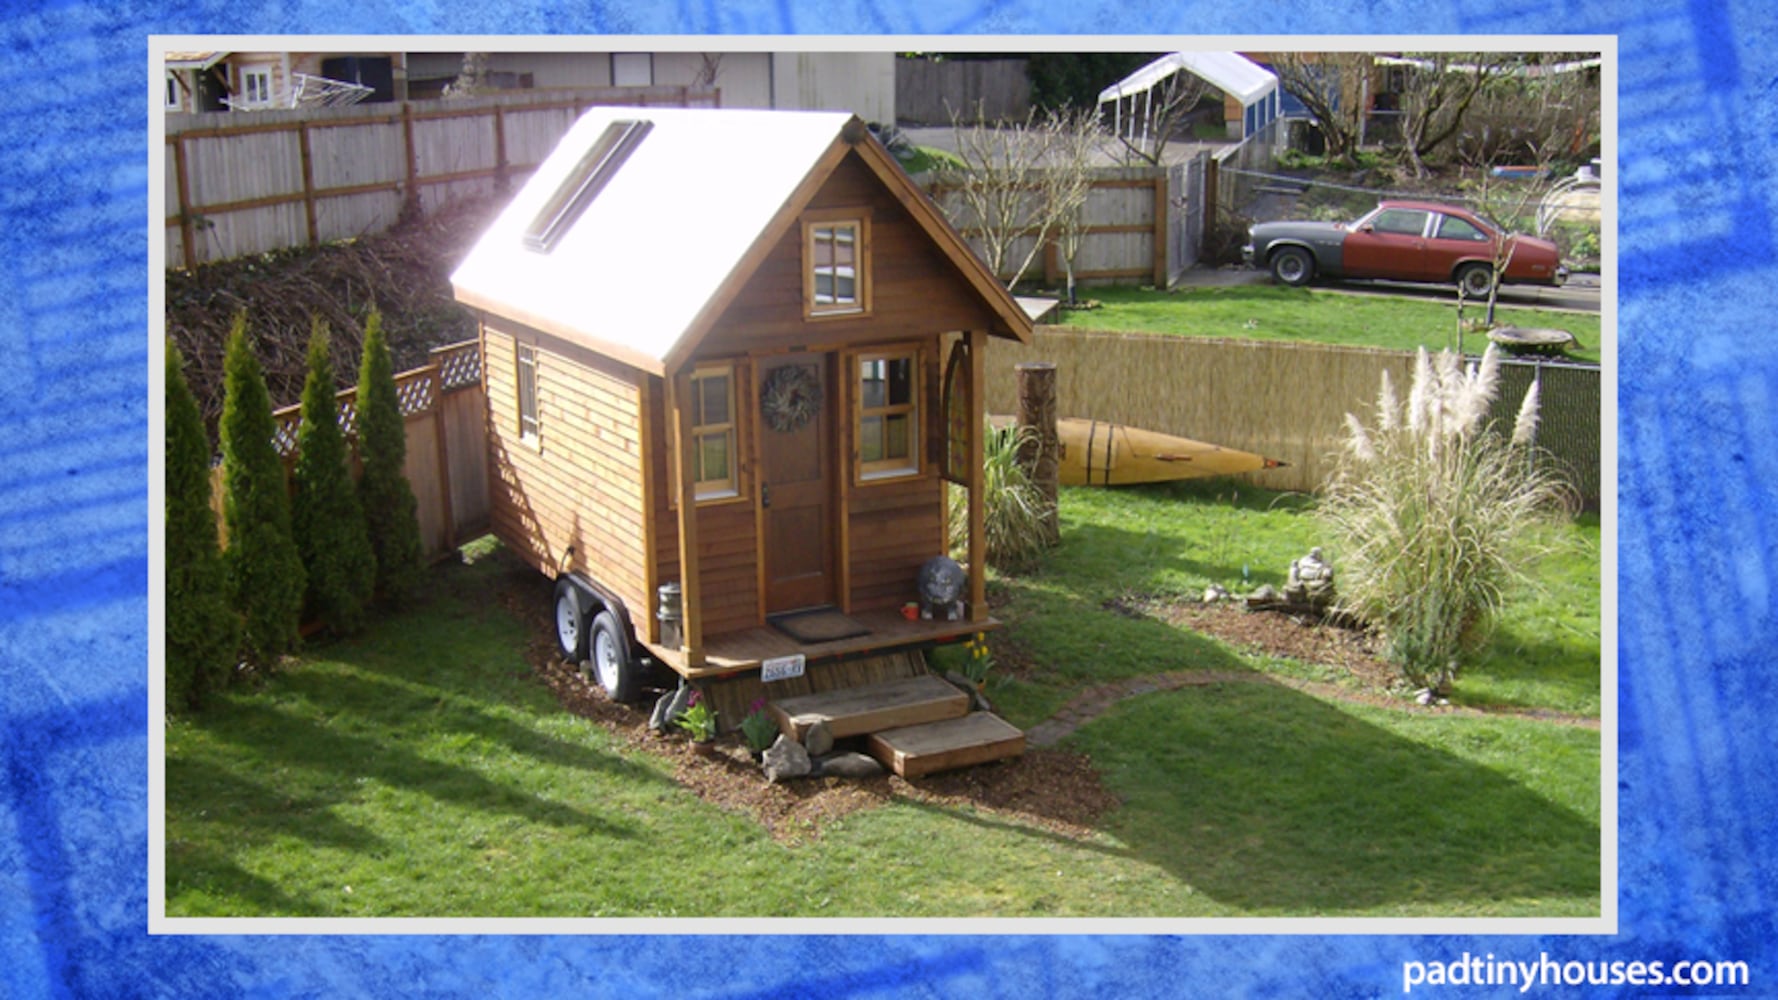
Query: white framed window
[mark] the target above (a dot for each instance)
(256, 86)
(836, 265)
(888, 414)
(172, 101)
(526, 368)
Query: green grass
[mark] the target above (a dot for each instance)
(1311, 315)
(420, 770)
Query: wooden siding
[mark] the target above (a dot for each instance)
(893, 527)
(916, 290)
(573, 498)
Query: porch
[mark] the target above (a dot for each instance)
(731, 653)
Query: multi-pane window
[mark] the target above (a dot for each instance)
(256, 85)
(527, 378)
(888, 414)
(837, 279)
(713, 431)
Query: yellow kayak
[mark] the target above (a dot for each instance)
(1097, 453)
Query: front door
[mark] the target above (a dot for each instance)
(796, 480)
(1389, 244)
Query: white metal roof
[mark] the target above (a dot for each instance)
(1229, 72)
(655, 245)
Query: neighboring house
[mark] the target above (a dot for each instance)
(200, 81)
(862, 83)
(738, 352)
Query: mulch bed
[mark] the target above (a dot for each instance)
(1054, 790)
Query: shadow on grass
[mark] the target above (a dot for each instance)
(1269, 800)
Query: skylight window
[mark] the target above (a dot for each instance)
(584, 183)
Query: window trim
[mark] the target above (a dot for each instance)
(713, 489)
(526, 361)
(247, 71)
(914, 463)
(859, 220)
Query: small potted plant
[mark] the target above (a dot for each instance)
(699, 720)
(758, 729)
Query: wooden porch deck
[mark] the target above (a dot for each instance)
(738, 652)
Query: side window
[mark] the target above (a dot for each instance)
(256, 86)
(172, 102)
(1400, 221)
(888, 414)
(836, 266)
(527, 378)
(1452, 228)
(713, 431)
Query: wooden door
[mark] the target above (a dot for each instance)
(796, 406)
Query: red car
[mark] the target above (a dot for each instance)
(1406, 241)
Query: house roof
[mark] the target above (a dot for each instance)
(194, 60)
(671, 232)
(1230, 72)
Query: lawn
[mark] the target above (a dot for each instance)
(1310, 315)
(421, 769)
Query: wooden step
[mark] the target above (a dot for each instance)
(872, 708)
(943, 746)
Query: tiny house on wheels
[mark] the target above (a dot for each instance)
(732, 359)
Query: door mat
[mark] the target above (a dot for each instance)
(817, 625)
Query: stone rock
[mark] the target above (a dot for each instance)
(1215, 592)
(851, 765)
(818, 739)
(785, 759)
(1264, 595)
(669, 707)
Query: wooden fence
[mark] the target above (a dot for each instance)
(1140, 226)
(241, 184)
(1285, 401)
(443, 409)
(929, 92)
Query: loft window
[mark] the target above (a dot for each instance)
(584, 183)
(172, 103)
(713, 431)
(836, 271)
(888, 414)
(527, 379)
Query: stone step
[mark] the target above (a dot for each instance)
(871, 708)
(930, 747)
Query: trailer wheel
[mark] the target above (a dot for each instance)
(613, 664)
(571, 623)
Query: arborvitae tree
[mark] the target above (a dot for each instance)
(383, 490)
(328, 521)
(265, 571)
(202, 629)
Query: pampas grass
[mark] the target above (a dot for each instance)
(1428, 508)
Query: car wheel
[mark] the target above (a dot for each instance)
(571, 631)
(1475, 280)
(613, 665)
(1292, 266)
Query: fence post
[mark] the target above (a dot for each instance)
(1039, 445)
(442, 446)
(187, 225)
(410, 204)
(1212, 169)
(500, 164)
(1160, 230)
(308, 177)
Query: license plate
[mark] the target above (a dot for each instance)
(781, 668)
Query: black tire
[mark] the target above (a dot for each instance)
(614, 664)
(571, 622)
(1292, 266)
(1475, 280)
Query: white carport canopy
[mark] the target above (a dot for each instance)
(1230, 72)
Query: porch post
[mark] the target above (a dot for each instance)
(978, 514)
(691, 607)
